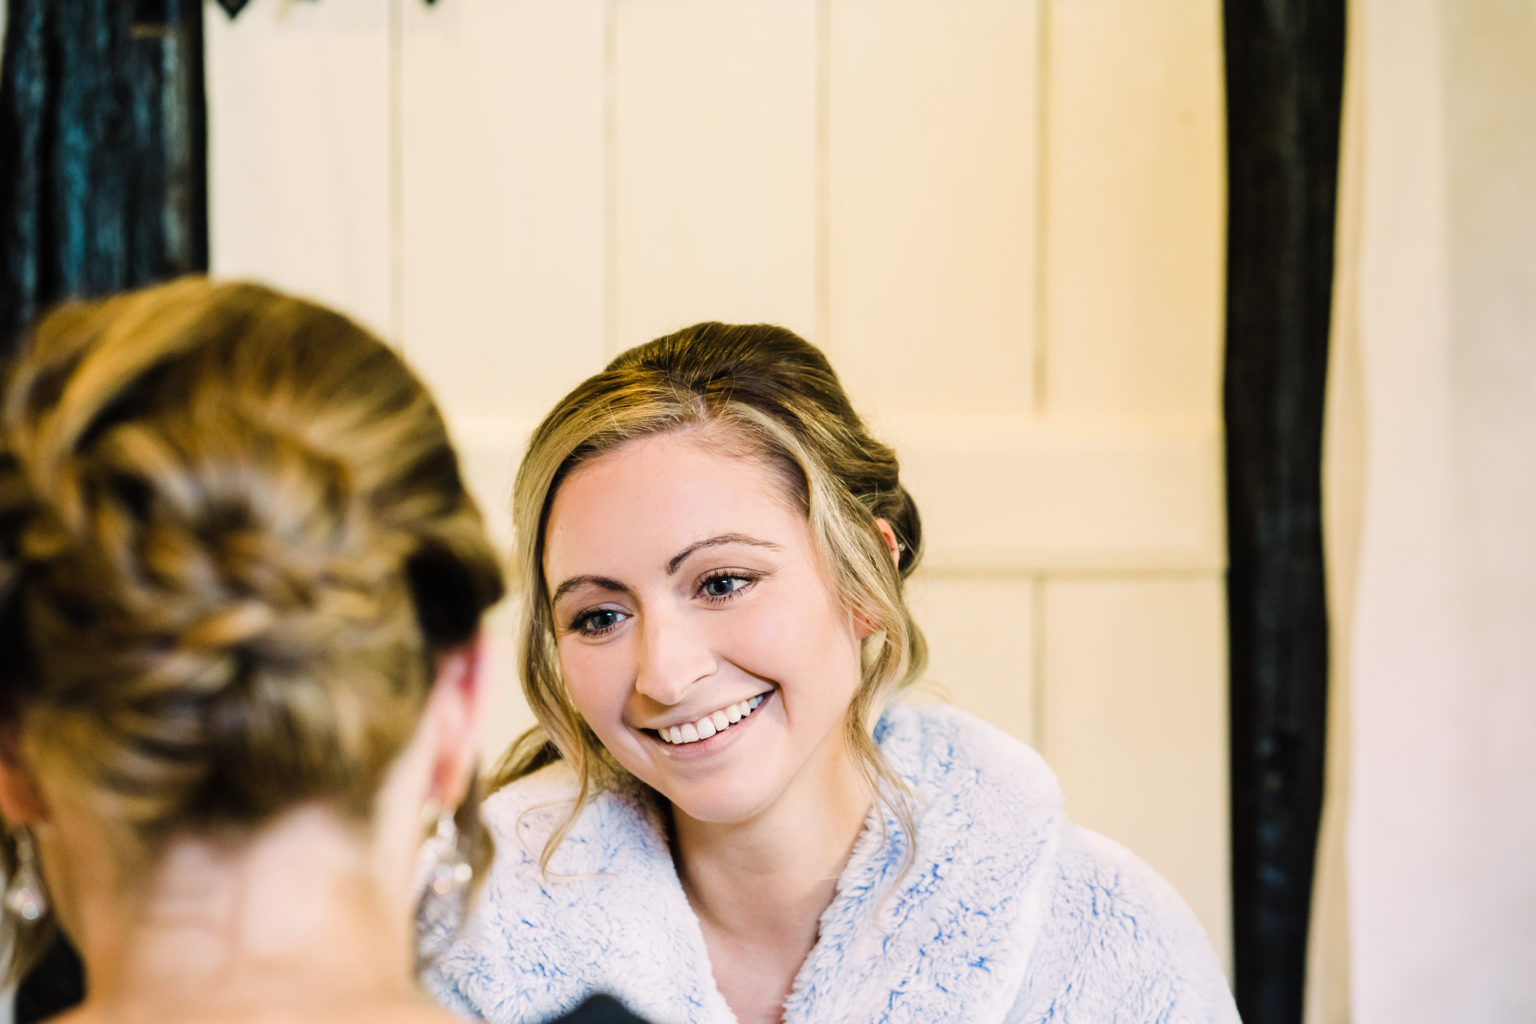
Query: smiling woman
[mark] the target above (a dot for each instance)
(726, 814)
(674, 631)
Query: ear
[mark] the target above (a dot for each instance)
(865, 626)
(889, 533)
(453, 709)
(21, 799)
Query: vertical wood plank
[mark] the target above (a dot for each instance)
(299, 151)
(502, 122)
(981, 646)
(1134, 212)
(931, 202)
(502, 214)
(714, 174)
(1135, 726)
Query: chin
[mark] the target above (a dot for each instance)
(719, 805)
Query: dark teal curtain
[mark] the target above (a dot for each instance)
(102, 151)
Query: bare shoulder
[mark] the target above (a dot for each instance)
(84, 1014)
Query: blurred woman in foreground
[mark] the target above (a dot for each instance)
(241, 585)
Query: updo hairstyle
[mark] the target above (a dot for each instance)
(756, 391)
(234, 543)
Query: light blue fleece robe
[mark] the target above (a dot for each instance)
(1008, 913)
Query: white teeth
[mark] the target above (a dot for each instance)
(716, 721)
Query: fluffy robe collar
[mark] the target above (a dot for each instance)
(950, 942)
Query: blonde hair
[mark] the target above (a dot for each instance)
(769, 394)
(234, 541)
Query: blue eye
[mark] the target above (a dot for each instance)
(723, 586)
(597, 622)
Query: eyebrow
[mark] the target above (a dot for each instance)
(581, 581)
(608, 583)
(724, 538)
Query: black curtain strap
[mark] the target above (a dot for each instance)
(234, 7)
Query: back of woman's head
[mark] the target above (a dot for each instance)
(233, 541)
(756, 391)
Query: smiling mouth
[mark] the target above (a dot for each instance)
(710, 724)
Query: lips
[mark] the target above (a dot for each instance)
(712, 723)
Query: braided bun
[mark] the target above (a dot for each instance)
(233, 541)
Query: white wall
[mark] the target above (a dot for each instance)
(1432, 513)
(1002, 219)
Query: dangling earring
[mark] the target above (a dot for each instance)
(25, 896)
(448, 869)
(444, 872)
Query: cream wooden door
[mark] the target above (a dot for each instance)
(1003, 220)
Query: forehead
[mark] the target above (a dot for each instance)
(655, 495)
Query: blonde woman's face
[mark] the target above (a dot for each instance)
(697, 633)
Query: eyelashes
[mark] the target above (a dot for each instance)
(596, 622)
(715, 588)
(726, 584)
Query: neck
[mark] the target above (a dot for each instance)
(304, 915)
(795, 850)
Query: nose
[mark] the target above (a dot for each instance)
(674, 655)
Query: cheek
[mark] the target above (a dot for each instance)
(595, 678)
(810, 638)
